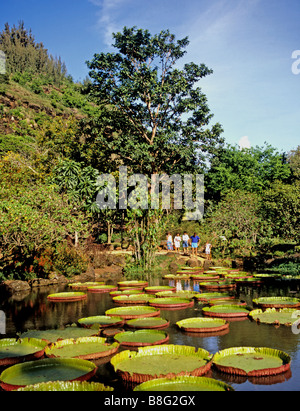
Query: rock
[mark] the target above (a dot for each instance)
(16, 286)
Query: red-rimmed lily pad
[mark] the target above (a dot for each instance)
(133, 299)
(102, 321)
(84, 286)
(252, 361)
(225, 311)
(157, 288)
(171, 302)
(200, 324)
(221, 301)
(273, 316)
(67, 297)
(13, 351)
(217, 285)
(102, 288)
(86, 348)
(180, 294)
(185, 383)
(141, 338)
(45, 370)
(148, 323)
(161, 361)
(277, 302)
(130, 312)
(128, 291)
(53, 335)
(67, 386)
(204, 277)
(133, 283)
(204, 297)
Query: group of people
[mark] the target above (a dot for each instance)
(193, 241)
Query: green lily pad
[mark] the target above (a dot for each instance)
(87, 348)
(133, 312)
(283, 316)
(101, 320)
(141, 338)
(161, 361)
(204, 297)
(185, 383)
(67, 386)
(157, 288)
(217, 285)
(252, 361)
(277, 302)
(53, 335)
(133, 283)
(45, 370)
(128, 291)
(200, 324)
(84, 286)
(133, 299)
(225, 311)
(102, 288)
(67, 297)
(14, 350)
(148, 322)
(180, 294)
(171, 302)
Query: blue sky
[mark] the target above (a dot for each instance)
(253, 91)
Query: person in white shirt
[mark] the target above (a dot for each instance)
(185, 242)
(208, 250)
(177, 241)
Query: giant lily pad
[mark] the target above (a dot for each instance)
(171, 302)
(148, 322)
(102, 288)
(130, 312)
(161, 361)
(59, 334)
(132, 283)
(180, 294)
(14, 350)
(277, 302)
(87, 348)
(67, 297)
(67, 386)
(185, 383)
(45, 370)
(199, 324)
(283, 316)
(141, 338)
(102, 320)
(204, 297)
(133, 299)
(217, 285)
(128, 291)
(225, 311)
(84, 286)
(157, 288)
(252, 361)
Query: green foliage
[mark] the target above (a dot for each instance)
(252, 170)
(33, 217)
(69, 261)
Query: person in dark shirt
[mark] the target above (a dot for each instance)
(195, 243)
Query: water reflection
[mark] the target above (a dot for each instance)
(33, 311)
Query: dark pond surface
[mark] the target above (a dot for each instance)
(34, 311)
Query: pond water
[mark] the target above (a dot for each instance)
(35, 312)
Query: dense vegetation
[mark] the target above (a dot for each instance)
(137, 110)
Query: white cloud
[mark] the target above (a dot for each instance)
(244, 142)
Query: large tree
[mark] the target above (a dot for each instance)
(156, 116)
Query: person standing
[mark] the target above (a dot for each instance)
(195, 243)
(177, 241)
(208, 250)
(185, 242)
(169, 242)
